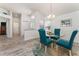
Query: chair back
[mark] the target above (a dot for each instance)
(57, 32)
(74, 33)
(42, 35)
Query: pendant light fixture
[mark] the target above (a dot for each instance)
(51, 15)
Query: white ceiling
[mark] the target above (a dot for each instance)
(44, 8)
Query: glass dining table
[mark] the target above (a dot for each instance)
(53, 37)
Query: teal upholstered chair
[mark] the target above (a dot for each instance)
(68, 44)
(56, 33)
(43, 39)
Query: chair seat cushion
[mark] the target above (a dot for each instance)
(63, 43)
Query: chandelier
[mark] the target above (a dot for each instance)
(51, 15)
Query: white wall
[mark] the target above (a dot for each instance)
(38, 18)
(2, 20)
(56, 23)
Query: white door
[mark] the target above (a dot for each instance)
(16, 29)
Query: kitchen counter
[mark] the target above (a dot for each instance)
(31, 34)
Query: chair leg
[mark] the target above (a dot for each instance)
(45, 49)
(52, 45)
(70, 53)
(57, 47)
(40, 45)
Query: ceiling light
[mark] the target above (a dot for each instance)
(53, 16)
(32, 17)
(49, 16)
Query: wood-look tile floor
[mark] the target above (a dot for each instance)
(16, 46)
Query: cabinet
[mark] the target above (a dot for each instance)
(31, 34)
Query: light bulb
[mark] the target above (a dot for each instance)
(53, 16)
(49, 16)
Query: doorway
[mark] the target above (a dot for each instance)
(16, 24)
(3, 28)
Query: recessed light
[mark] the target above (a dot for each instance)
(32, 17)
